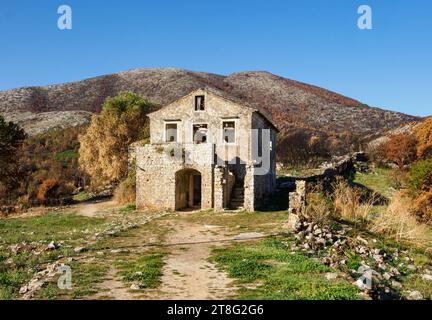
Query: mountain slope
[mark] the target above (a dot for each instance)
(291, 104)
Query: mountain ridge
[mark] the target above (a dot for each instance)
(289, 103)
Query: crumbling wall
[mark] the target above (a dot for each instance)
(344, 167)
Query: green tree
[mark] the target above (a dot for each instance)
(104, 145)
(11, 139)
(420, 175)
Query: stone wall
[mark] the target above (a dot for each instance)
(264, 182)
(157, 169)
(342, 167)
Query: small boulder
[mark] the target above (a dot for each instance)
(80, 249)
(52, 246)
(23, 289)
(135, 286)
(427, 277)
(331, 275)
(415, 295)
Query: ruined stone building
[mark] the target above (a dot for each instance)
(207, 150)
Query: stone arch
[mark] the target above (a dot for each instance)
(188, 189)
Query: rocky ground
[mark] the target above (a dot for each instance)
(363, 260)
(37, 123)
(116, 252)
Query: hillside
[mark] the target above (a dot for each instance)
(289, 103)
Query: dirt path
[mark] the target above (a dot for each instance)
(96, 208)
(187, 273)
(114, 288)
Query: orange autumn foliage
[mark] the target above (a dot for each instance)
(423, 133)
(401, 149)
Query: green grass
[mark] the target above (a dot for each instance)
(65, 155)
(128, 209)
(380, 181)
(85, 278)
(145, 270)
(11, 281)
(415, 282)
(278, 274)
(16, 270)
(48, 227)
(82, 196)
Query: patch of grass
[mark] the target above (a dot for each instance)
(280, 274)
(415, 282)
(380, 181)
(51, 226)
(145, 270)
(86, 276)
(17, 269)
(82, 196)
(65, 155)
(11, 281)
(49, 292)
(128, 209)
(354, 261)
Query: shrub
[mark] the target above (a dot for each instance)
(51, 155)
(399, 223)
(420, 175)
(349, 203)
(301, 148)
(11, 139)
(423, 133)
(125, 193)
(422, 207)
(318, 208)
(401, 149)
(47, 191)
(104, 146)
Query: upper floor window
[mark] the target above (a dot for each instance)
(199, 133)
(171, 132)
(199, 103)
(228, 131)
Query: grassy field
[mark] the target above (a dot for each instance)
(144, 270)
(69, 230)
(379, 180)
(261, 269)
(38, 232)
(268, 270)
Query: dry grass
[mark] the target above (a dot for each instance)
(399, 224)
(125, 193)
(318, 208)
(349, 204)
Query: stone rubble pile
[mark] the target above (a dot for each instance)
(39, 280)
(379, 271)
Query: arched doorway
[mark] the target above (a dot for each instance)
(188, 189)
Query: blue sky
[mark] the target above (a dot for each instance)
(314, 41)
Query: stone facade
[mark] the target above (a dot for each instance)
(202, 150)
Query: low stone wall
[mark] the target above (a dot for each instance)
(343, 167)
